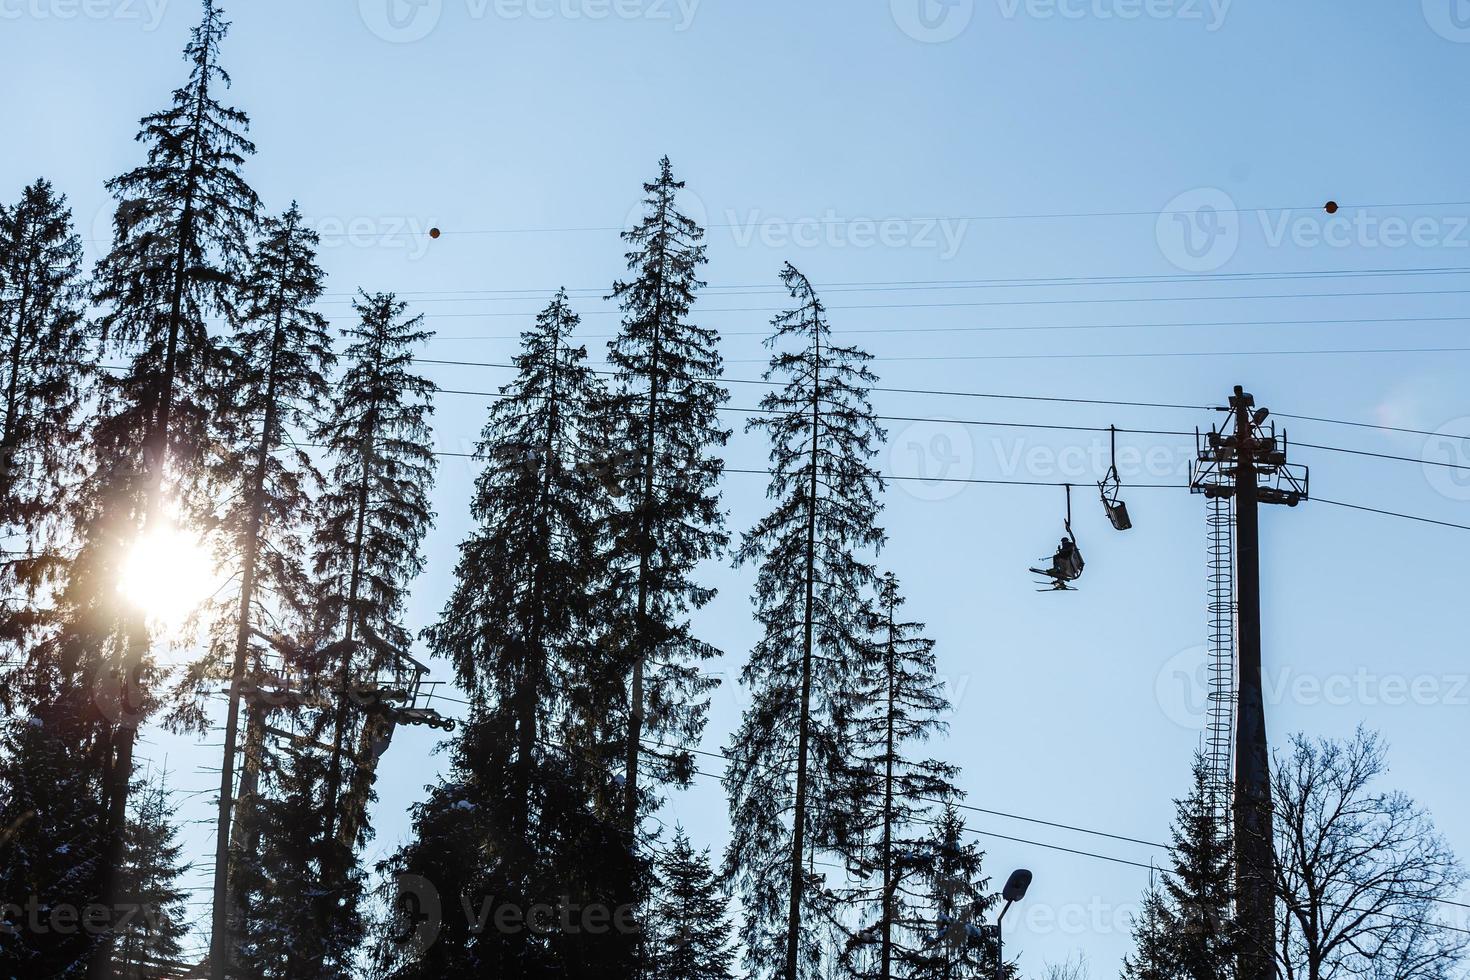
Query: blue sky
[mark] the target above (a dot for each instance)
(823, 132)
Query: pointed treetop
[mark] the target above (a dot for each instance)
(204, 41)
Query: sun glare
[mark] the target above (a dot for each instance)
(167, 575)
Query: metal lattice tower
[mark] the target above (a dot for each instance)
(1246, 464)
(1220, 717)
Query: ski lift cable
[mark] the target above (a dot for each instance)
(1011, 328)
(1152, 868)
(1021, 840)
(1097, 355)
(1373, 425)
(1112, 430)
(1036, 216)
(1391, 513)
(1028, 483)
(1006, 397)
(1039, 426)
(1053, 301)
(916, 391)
(653, 744)
(922, 418)
(974, 304)
(1001, 813)
(915, 284)
(1059, 399)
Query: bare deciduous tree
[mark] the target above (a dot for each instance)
(1072, 968)
(1360, 872)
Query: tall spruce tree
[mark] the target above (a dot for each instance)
(282, 355)
(787, 776)
(524, 818)
(666, 395)
(1153, 957)
(370, 522)
(45, 364)
(180, 237)
(50, 816)
(900, 705)
(151, 945)
(45, 346)
(521, 625)
(692, 936)
(1200, 889)
(284, 932)
(1186, 930)
(958, 900)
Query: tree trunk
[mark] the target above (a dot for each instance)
(888, 882)
(798, 835)
(12, 392)
(221, 944)
(645, 553)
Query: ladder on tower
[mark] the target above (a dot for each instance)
(1220, 709)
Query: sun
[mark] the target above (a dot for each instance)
(167, 575)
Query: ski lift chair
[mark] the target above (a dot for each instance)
(1111, 486)
(1066, 564)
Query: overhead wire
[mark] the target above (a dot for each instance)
(1036, 216)
(1042, 426)
(1074, 828)
(969, 304)
(923, 284)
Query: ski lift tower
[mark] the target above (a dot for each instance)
(1237, 471)
(392, 690)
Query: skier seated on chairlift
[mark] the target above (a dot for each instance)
(1066, 564)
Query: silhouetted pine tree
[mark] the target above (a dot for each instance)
(50, 815)
(281, 352)
(149, 946)
(957, 902)
(45, 351)
(1153, 956)
(180, 243)
(664, 404)
(180, 238)
(371, 520)
(789, 759)
(521, 623)
(1186, 931)
(45, 365)
(690, 927)
(900, 704)
(528, 816)
(1200, 888)
(286, 932)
